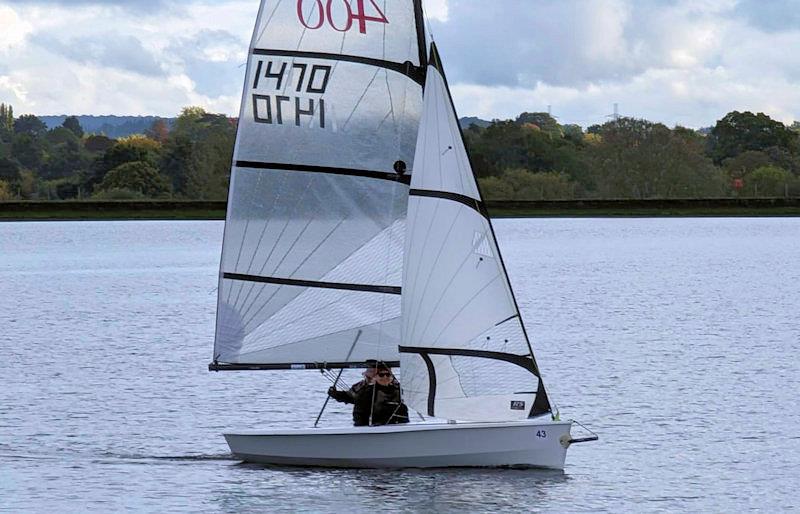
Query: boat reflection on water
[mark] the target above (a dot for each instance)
(256, 487)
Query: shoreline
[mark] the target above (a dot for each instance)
(72, 210)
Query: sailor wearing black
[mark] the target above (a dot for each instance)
(376, 398)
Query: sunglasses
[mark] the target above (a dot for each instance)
(384, 374)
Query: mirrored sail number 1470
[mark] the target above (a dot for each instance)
(339, 14)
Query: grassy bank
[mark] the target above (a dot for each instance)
(648, 208)
(209, 210)
(112, 210)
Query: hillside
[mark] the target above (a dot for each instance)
(121, 126)
(111, 126)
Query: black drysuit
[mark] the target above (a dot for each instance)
(382, 401)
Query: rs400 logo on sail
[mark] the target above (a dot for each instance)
(340, 15)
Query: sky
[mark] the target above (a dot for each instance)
(679, 62)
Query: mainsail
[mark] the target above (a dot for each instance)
(312, 254)
(464, 354)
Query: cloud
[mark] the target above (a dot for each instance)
(771, 15)
(97, 58)
(123, 52)
(213, 58)
(676, 61)
(436, 9)
(14, 28)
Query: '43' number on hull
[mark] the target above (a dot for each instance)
(339, 14)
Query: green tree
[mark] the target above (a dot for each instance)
(539, 186)
(640, 159)
(30, 125)
(28, 150)
(65, 160)
(9, 170)
(61, 135)
(769, 181)
(495, 188)
(125, 150)
(212, 137)
(179, 162)
(190, 121)
(73, 125)
(573, 133)
(98, 143)
(5, 191)
(543, 121)
(158, 131)
(746, 162)
(739, 132)
(6, 122)
(27, 184)
(138, 176)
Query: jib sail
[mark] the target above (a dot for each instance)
(464, 354)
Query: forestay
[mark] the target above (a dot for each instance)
(312, 253)
(465, 354)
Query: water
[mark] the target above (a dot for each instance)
(675, 339)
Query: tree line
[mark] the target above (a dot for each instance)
(190, 160)
(536, 158)
(530, 158)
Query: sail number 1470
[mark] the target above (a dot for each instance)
(339, 14)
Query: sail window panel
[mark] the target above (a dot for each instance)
(417, 382)
(440, 148)
(487, 377)
(349, 27)
(319, 112)
(269, 319)
(314, 226)
(452, 290)
(467, 388)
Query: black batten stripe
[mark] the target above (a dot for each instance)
(313, 284)
(214, 366)
(415, 73)
(455, 197)
(523, 361)
(394, 177)
(431, 383)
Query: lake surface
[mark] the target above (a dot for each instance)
(676, 340)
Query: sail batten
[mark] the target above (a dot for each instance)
(353, 172)
(308, 283)
(470, 202)
(416, 73)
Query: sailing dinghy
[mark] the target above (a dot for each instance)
(356, 231)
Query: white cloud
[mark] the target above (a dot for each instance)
(14, 28)
(676, 61)
(437, 10)
(101, 59)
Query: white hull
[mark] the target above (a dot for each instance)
(530, 443)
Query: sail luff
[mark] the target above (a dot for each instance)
(542, 403)
(215, 356)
